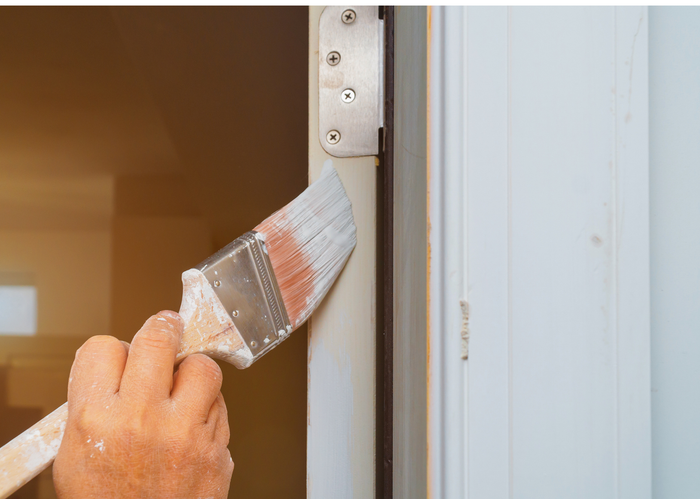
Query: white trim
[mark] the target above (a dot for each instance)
(447, 415)
(538, 216)
(342, 334)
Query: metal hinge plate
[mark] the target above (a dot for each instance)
(350, 80)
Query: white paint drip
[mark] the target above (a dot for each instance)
(464, 333)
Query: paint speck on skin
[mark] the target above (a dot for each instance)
(161, 319)
(100, 446)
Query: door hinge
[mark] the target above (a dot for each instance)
(350, 80)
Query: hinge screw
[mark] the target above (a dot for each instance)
(333, 58)
(234, 313)
(348, 95)
(349, 16)
(333, 137)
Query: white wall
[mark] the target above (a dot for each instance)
(674, 112)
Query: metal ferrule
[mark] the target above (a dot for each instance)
(242, 277)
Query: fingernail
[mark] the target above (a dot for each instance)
(171, 314)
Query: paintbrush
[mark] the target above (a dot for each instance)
(237, 305)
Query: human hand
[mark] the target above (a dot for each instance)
(135, 430)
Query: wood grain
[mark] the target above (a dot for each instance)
(208, 330)
(342, 333)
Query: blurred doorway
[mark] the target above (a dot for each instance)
(134, 142)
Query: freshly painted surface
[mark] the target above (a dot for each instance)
(674, 128)
(342, 333)
(410, 254)
(487, 220)
(539, 207)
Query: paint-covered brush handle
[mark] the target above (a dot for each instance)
(32, 452)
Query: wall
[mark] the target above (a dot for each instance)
(133, 143)
(69, 303)
(674, 112)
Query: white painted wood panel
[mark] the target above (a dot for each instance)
(342, 334)
(410, 254)
(539, 219)
(674, 100)
(486, 161)
(447, 415)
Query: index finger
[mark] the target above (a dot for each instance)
(149, 368)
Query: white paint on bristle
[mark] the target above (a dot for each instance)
(309, 241)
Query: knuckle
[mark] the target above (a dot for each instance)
(206, 367)
(224, 433)
(169, 319)
(154, 337)
(98, 344)
(86, 420)
(222, 402)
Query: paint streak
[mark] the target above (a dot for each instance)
(464, 333)
(331, 388)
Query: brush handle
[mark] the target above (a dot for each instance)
(32, 452)
(208, 330)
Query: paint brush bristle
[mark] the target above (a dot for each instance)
(308, 242)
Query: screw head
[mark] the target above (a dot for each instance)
(348, 95)
(253, 343)
(349, 16)
(217, 283)
(234, 313)
(333, 137)
(333, 58)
